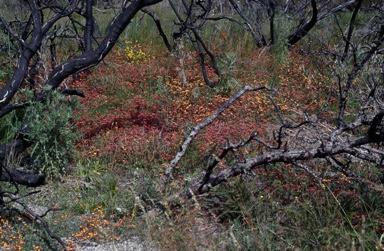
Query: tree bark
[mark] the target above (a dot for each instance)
(88, 26)
(305, 28)
(22, 177)
(350, 30)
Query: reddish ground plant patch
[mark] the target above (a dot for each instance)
(124, 108)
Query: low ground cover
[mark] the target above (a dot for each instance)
(132, 121)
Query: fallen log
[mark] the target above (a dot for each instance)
(22, 177)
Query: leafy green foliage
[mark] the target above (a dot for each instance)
(52, 133)
(10, 124)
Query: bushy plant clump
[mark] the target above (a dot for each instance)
(134, 52)
(52, 133)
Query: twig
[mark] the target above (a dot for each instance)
(34, 216)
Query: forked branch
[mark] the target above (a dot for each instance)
(168, 172)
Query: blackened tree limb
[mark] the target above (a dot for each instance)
(203, 66)
(7, 92)
(30, 49)
(373, 133)
(11, 107)
(219, 18)
(201, 45)
(13, 148)
(88, 31)
(86, 60)
(175, 10)
(22, 177)
(336, 165)
(271, 14)
(20, 105)
(72, 92)
(190, 23)
(350, 30)
(303, 30)
(159, 28)
(91, 58)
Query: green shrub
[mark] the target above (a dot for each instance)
(9, 125)
(52, 133)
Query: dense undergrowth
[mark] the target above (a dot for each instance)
(132, 121)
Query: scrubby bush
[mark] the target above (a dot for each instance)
(52, 133)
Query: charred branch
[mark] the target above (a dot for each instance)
(72, 92)
(22, 177)
(30, 49)
(305, 28)
(350, 30)
(191, 23)
(159, 28)
(271, 14)
(88, 31)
